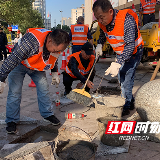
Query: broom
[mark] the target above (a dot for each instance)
(80, 96)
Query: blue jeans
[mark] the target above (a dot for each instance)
(76, 48)
(15, 80)
(126, 77)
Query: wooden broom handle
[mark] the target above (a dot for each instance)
(90, 72)
(155, 71)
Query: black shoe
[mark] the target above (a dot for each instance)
(125, 112)
(53, 119)
(132, 104)
(132, 107)
(11, 128)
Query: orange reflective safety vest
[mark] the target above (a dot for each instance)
(79, 34)
(81, 69)
(116, 36)
(36, 62)
(148, 7)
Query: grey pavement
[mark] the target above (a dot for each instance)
(86, 128)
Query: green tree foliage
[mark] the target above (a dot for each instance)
(32, 20)
(20, 12)
(64, 27)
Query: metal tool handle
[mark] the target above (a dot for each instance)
(90, 72)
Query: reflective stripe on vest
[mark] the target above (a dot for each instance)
(36, 62)
(81, 69)
(78, 41)
(79, 34)
(116, 36)
(69, 72)
(137, 42)
(148, 7)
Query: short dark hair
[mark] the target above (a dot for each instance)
(80, 19)
(104, 4)
(59, 36)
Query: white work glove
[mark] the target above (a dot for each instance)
(113, 69)
(2, 85)
(99, 50)
(55, 79)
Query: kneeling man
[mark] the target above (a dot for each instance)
(78, 68)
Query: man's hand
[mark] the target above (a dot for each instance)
(55, 79)
(113, 69)
(2, 85)
(90, 84)
(79, 85)
(99, 50)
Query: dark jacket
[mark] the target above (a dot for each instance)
(3, 40)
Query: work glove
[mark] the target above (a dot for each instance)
(2, 85)
(99, 50)
(113, 69)
(55, 79)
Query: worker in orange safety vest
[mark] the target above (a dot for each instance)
(79, 34)
(78, 68)
(120, 28)
(36, 52)
(147, 8)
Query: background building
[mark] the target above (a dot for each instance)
(75, 13)
(89, 17)
(66, 21)
(40, 5)
(48, 24)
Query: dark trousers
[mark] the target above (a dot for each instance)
(4, 52)
(147, 18)
(68, 80)
(76, 48)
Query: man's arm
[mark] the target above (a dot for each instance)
(70, 35)
(130, 30)
(158, 2)
(102, 37)
(89, 36)
(140, 8)
(73, 64)
(27, 47)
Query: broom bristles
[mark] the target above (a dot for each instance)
(79, 98)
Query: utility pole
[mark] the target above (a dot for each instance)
(55, 23)
(61, 19)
